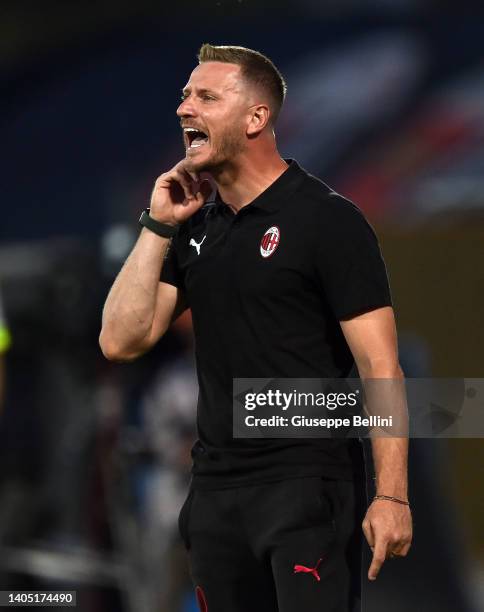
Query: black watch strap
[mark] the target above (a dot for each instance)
(163, 230)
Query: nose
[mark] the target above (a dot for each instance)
(186, 109)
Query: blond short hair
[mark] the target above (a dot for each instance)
(256, 69)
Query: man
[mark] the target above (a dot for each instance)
(285, 279)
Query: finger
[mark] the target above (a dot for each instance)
(367, 530)
(184, 167)
(180, 175)
(401, 543)
(192, 174)
(175, 177)
(191, 206)
(379, 556)
(186, 183)
(401, 550)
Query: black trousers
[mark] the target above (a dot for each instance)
(288, 546)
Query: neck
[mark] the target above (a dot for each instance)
(248, 176)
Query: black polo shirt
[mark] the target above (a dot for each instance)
(267, 287)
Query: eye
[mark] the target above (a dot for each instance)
(207, 97)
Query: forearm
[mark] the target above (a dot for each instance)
(372, 339)
(385, 397)
(390, 460)
(130, 306)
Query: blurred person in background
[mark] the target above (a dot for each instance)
(291, 494)
(4, 346)
(5, 341)
(168, 408)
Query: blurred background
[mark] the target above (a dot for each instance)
(385, 103)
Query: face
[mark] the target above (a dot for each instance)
(213, 115)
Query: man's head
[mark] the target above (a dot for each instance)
(232, 98)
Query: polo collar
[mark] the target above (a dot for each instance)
(273, 198)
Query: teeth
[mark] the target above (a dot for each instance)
(188, 129)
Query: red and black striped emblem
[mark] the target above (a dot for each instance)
(270, 241)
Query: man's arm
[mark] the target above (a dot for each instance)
(140, 308)
(372, 339)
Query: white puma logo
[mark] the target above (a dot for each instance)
(197, 245)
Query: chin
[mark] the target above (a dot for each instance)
(193, 165)
(201, 163)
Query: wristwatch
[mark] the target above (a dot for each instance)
(162, 229)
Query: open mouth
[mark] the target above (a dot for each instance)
(194, 138)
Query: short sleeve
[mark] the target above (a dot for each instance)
(349, 260)
(170, 271)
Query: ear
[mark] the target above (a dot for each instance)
(258, 119)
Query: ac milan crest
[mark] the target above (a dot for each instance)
(270, 241)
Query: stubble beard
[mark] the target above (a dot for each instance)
(230, 145)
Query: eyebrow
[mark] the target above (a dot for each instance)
(187, 90)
